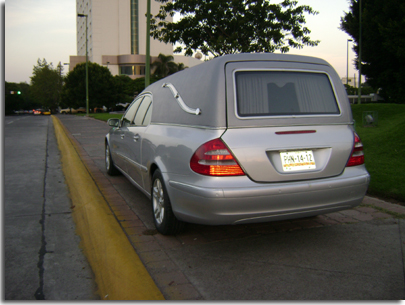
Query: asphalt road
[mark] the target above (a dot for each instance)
(42, 257)
(351, 255)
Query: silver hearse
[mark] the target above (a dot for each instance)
(241, 139)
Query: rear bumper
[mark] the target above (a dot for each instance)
(257, 202)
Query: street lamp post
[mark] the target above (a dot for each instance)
(87, 68)
(147, 66)
(347, 70)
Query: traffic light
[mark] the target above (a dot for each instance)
(18, 92)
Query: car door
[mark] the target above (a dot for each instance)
(134, 140)
(119, 138)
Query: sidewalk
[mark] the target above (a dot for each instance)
(356, 254)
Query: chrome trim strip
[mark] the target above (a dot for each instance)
(180, 100)
(188, 126)
(143, 168)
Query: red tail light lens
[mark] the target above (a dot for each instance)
(214, 159)
(357, 157)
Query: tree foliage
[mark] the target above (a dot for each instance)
(165, 66)
(231, 26)
(383, 44)
(101, 87)
(104, 89)
(23, 101)
(139, 83)
(46, 84)
(124, 89)
(365, 89)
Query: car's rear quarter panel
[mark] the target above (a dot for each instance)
(170, 148)
(265, 193)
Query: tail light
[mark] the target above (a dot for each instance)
(357, 157)
(214, 159)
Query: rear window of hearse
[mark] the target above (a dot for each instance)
(284, 93)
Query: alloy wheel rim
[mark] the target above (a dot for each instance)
(158, 201)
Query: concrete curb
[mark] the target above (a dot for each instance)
(120, 275)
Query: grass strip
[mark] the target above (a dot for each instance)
(104, 116)
(384, 149)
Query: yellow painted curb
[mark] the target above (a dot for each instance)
(120, 274)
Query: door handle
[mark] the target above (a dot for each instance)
(136, 138)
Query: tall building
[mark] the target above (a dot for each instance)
(116, 31)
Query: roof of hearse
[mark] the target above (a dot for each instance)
(204, 87)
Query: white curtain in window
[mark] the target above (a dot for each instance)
(258, 93)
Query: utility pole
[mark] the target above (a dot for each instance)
(359, 90)
(347, 70)
(147, 67)
(87, 68)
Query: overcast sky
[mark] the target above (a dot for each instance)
(47, 29)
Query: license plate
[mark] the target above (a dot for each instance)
(297, 160)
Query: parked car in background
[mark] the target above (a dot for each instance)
(42, 111)
(23, 111)
(100, 109)
(72, 110)
(241, 139)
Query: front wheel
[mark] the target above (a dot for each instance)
(165, 221)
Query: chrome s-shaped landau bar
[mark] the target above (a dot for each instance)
(180, 100)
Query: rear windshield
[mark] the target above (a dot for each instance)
(272, 93)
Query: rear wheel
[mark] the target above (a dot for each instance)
(109, 164)
(165, 221)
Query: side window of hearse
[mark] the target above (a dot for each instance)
(148, 115)
(129, 115)
(142, 110)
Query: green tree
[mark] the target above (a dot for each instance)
(46, 84)
(231, 26)
(139, 83)
(181, 66)
(365, 89)
(14, 101)
(101, 87)
(383, 44)
(124, 88)
(164, 66)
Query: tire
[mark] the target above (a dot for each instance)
(165, 221)
(109, 164)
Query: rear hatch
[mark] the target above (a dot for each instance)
(287, 121)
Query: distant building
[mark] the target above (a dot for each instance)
(352, 81)
(117, 36)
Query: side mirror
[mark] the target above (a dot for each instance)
(113, 122)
